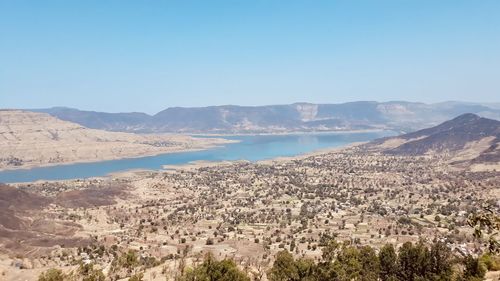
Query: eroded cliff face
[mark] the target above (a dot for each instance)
(35, 139)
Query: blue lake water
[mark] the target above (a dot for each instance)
(252, 148)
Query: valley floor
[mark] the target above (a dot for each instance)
(247, 212)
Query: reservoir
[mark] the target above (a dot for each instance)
(249, 147)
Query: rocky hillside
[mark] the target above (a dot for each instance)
(400, 116)
(27, 227)
(467, 137)
(34, 139)
(449, 136)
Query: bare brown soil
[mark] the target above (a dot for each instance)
(31, 226)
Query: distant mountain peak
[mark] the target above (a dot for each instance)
(453, 136)
(466, 117)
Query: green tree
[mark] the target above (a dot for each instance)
(325, 271)
(440, 262)
(369, 263)
(388, 263)
(348, 264)
(213, 270)
(305, 269)
(329, 252)
(129, 259)
(413, 261)
(474, 269)
(284, 268)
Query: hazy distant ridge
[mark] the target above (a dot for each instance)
(398, 115)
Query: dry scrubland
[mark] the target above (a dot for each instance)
(29, 139)
(318, 217)
(245, 211)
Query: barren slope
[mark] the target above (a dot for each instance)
(468, 138)
(35, 139)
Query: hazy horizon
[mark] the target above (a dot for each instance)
(491, 104)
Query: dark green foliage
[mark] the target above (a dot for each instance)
(413, 262)
(305, 269)
(345, 263)
(339, 262)
(474, 269)
(283, 268)
(330, 251)
(440, 262)
(388, 263)
(370, 264)
(128, 260)
(348, 265)
(213, 270)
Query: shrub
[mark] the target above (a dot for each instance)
(491, 262)
(51, 275)
(211, 269)
(136, 277)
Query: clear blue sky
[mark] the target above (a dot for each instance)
(146, 55)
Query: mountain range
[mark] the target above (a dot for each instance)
(400, 116)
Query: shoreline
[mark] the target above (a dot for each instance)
(205, 163)
(202, 164)
(202, 147)
(189, 165)
(290, 133)
(31, 166)
(196, 165)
